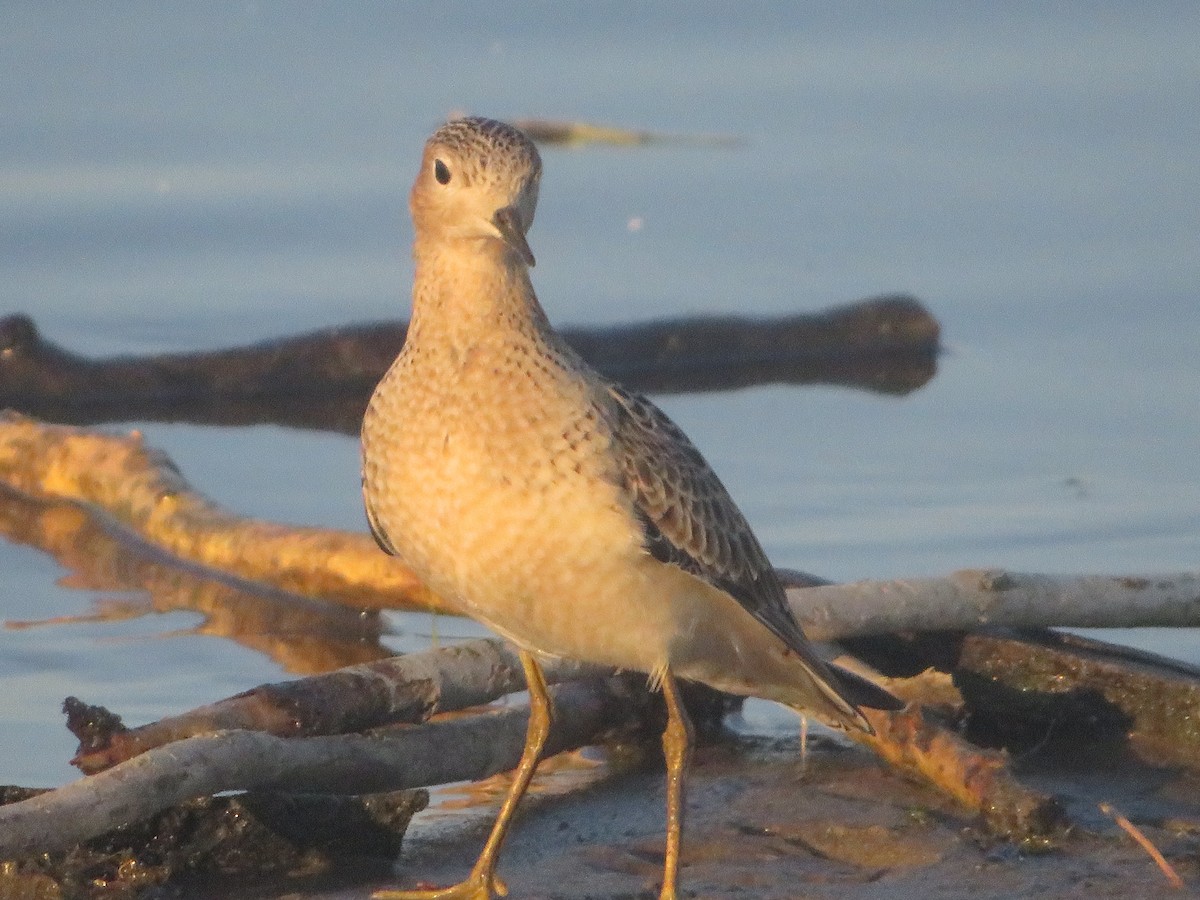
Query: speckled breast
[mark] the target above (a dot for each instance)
(489, 474)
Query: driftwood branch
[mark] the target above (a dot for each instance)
(198, 760)
(302, 737)
(142, 491)
(978, 598)
(467, 748)
(145, 494)
(978, 779)
(324, 379)
(408, 688)
(463, 748)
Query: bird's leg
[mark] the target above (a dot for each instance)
(541, 716)
(483, 883)
(677, 749)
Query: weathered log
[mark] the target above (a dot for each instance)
(324, 379)
(413, 687)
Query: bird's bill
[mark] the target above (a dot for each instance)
(508, 223)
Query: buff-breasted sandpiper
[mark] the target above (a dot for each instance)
(570, 516)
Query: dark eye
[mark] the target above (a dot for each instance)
(441, 172)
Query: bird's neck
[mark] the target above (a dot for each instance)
(468, 292)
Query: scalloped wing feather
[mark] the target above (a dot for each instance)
(690, 520)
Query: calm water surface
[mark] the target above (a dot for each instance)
(176, 179)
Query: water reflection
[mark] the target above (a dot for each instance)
(302, 636)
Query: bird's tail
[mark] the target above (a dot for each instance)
(864, 692)
(845, 692)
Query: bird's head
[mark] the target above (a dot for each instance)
(478, 181)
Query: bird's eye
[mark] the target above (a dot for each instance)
(441, 172)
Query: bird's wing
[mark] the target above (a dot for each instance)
(688, 517)
(376, 529)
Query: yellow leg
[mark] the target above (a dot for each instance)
(677, 749)
(483, 883)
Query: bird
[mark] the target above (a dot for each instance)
(570, 516)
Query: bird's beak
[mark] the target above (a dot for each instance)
(508, 223)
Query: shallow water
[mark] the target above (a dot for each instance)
(184, 178)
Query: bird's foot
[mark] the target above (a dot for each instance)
(477, 886)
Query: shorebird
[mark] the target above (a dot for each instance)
(570, 516)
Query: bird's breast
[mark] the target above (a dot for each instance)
(491, 475)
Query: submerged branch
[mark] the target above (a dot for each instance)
(323, 380)
(573, 134)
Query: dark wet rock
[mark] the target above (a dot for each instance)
(239, 839)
